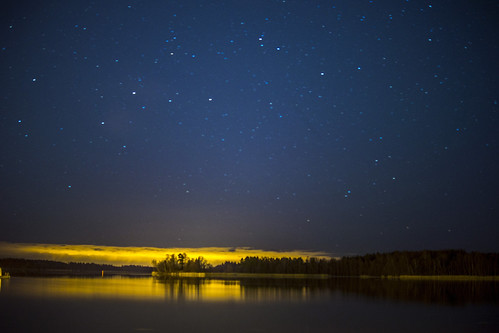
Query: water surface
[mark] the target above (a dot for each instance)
(124, 304)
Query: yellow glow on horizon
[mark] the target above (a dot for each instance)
(116, 255)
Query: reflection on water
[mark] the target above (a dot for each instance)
(251, 290)
(423, 291)
(124, 304)
(233, 291)
(201, 290)
(150, 289)
(72, 287)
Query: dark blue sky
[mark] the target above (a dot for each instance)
(342, 126)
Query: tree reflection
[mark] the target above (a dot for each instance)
(256, 290)
(299, 290)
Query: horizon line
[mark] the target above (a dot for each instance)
(141, 255)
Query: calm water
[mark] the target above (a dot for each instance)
(121, 304)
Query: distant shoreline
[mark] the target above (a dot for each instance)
(320, 276)
(28, 267)
(230, 276)
(446, 277)
(445, 265)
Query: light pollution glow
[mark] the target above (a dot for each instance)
(115, 255)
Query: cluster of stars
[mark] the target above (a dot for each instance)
(260, 109)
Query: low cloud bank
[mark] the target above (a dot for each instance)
(116, 255)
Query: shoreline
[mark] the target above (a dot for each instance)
(269, 276)
(235, 276)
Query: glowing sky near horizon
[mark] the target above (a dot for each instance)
(332, 125)
(116, 255)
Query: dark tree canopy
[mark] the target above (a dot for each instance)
(446, 262)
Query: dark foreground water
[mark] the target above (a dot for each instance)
(121, 304)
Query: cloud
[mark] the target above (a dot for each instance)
(116, 255)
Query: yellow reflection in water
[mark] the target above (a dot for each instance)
(115, 287)
(149, 289)
(116, 255)
(203, 290)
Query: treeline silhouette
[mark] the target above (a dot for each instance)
(27, 267)
(181, 263)
(445, 262)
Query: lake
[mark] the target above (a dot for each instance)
(128, 304)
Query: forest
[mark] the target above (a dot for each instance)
(431, 263)
(27, 267)
(444, 262)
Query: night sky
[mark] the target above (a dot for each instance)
(339, 126)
